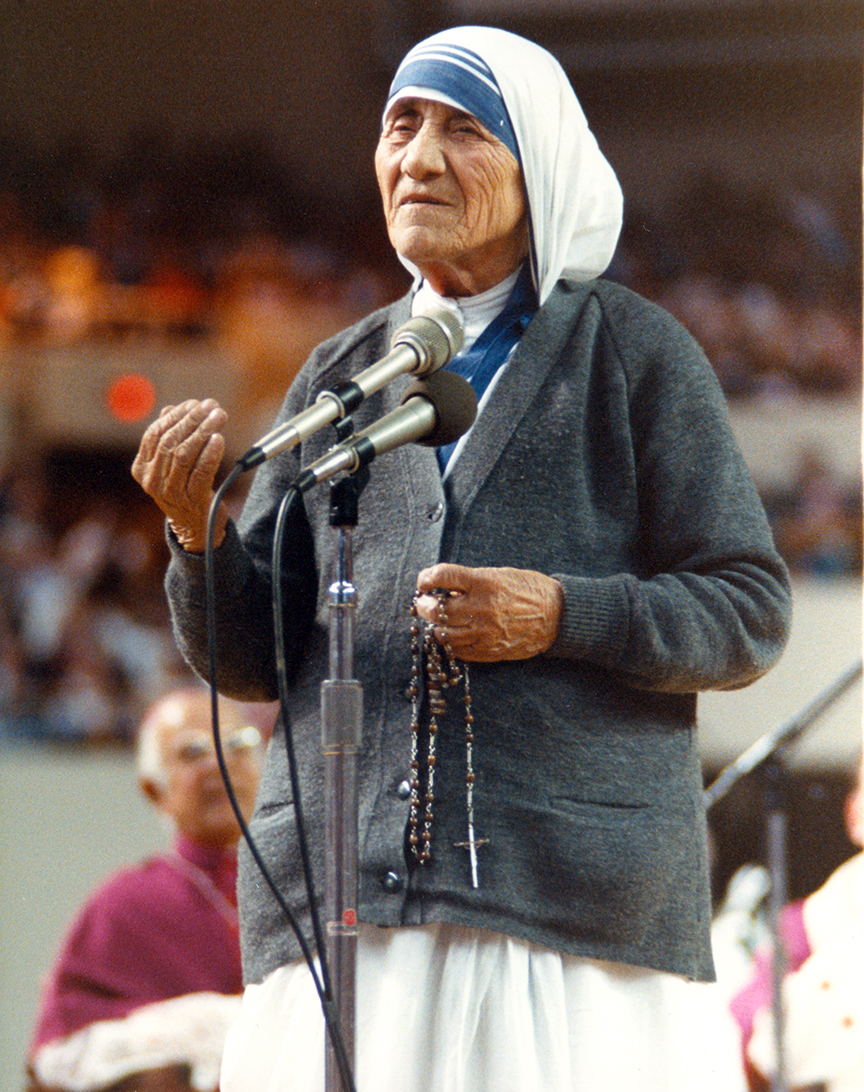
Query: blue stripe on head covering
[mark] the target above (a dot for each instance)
(465, 78)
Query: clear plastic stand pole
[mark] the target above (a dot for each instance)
(341, 727)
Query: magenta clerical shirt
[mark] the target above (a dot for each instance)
(165, 928)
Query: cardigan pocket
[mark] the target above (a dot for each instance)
(598, 872)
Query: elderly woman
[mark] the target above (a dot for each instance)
(594, 549)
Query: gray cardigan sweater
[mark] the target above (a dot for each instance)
(604, 458)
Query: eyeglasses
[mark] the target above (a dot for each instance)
(237, 745)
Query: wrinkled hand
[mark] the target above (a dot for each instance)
(177, 464)
(493, 614)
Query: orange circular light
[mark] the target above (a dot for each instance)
(131, 397)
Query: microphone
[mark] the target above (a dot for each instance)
(423, 345)
(435, 412)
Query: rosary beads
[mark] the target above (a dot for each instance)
(434, 669)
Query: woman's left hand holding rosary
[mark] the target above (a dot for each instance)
(492, 613)
(480, 615)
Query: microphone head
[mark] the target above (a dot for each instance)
(455, 406)
(436, 336)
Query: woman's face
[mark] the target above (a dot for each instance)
(453, 197)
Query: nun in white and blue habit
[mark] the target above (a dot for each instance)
(580, 961)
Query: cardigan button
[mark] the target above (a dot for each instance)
(403, 790)
(392, 882)
(435, 513)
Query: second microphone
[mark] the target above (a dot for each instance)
(433, 412)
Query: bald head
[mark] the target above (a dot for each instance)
(183, 709)
(177, 767)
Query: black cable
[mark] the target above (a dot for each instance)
(322, 982)
(210, 591)
(288, 501)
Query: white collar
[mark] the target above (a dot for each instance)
(476, 312)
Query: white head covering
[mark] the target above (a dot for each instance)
(574, 198)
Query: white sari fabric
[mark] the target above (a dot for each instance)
(573, 195)
(441, 1008)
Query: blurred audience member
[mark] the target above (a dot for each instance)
(148, 976)
(823, 1000)
(817, 524)
(823, 940)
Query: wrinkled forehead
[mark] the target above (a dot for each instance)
(459, 78)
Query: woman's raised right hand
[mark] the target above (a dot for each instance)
(177, 463)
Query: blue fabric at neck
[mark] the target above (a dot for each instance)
(480, 363)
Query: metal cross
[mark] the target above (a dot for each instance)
(472, 845)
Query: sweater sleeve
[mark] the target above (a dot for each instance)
(246, 668)
(707, 603)
(242, 583)
(242, 565)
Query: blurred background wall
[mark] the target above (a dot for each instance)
(187, 207)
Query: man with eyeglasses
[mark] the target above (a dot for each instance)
(148, 976)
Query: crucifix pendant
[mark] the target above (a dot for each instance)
(472, 845)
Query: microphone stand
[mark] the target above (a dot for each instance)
(341, 730)
(768, 755)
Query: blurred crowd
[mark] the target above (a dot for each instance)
(179, 240)
(85, 643)
(215, 242)
(768, 280)
(189, 242)
(817, 520)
